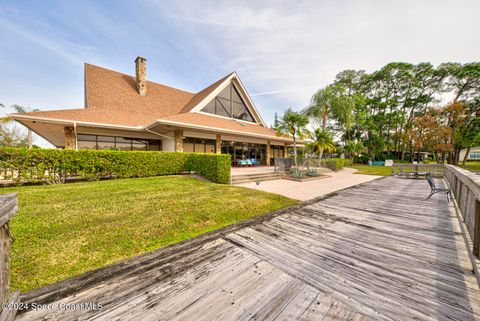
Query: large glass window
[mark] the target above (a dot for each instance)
(240, 151)
(198, 145)
(120, 143)
(276, 152)
(228, 103)
(474, 155)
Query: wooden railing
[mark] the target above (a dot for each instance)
(8, 207)
(415, 170)
(465, 187)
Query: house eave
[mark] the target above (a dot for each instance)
(72, 122)
(217, 130)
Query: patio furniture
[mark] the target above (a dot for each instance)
(435, 189)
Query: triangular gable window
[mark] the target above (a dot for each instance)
(228, 103)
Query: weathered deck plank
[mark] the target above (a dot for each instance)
(374, 252)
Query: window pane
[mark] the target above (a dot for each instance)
(210, 148)
(153, 145)
(124, 146)
(210, 107)
(106, 145)
(90, 138)
(106, 139)
(199, 145)
(236, 96)
(139, 146)
(222, 107)
(225, 93)
(188, 147)
(87, 145)
(123, 140)
(241, 112)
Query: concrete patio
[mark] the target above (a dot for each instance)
(310, 189)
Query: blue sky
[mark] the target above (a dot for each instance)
(283, 50)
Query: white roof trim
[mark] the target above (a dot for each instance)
(146, 128)
(228, 118)
(216, 129)
(242, 91)
(70, 122)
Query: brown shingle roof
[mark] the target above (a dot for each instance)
(109, 90)
(112, 98)
(220, 123)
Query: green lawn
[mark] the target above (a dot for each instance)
(373, 170)
(473, 166)
(64, 230)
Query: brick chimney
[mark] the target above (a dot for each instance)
(141, 73)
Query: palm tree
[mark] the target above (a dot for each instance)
(321, 106)
(332, 102)
(294, 124)
(322, 141)
(21, 110)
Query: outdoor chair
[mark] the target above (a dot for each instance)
(435, 190)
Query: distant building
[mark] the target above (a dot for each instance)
(473, 155)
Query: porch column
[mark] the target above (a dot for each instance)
(218, 145)
(178, 140)
(285, 151)
(70, 139)
(268, 154)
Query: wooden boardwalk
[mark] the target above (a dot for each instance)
(378, 251)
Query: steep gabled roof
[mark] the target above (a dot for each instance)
(109, 90)
(111, 98)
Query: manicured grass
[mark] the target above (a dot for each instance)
(373, 170)
(473, 166)
(64, 230)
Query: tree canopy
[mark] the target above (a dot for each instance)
(402, 109)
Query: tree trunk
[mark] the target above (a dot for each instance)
(295, 149)
(464, 161)
(324, 122)
(30, 139)
(456, 156)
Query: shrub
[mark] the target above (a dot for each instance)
(297, 173)
(348, 162)
(335, 164)
(361, 160)
(313, 173)
(55, 166)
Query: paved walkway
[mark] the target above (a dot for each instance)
(377, 251)
(310, 189)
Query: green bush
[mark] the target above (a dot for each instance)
(297, 172)
(313, 173)
(55, 165)
(361, 160)
(335, 164)
(348, 162)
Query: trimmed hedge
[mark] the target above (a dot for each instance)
(55, 165)
(334, 164)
